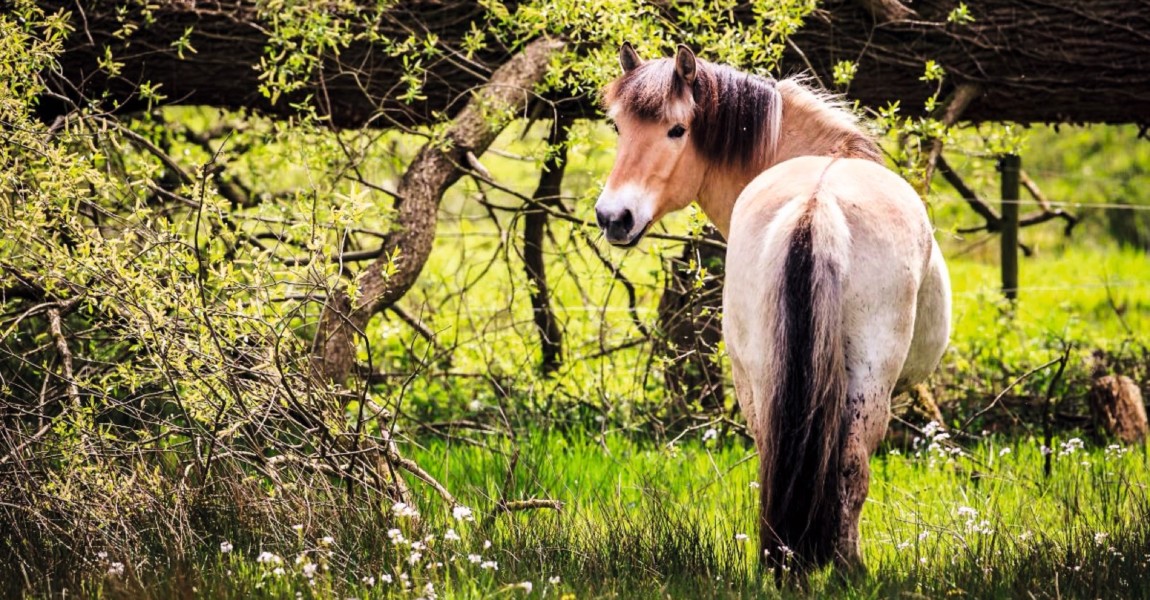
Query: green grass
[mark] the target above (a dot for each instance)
(646, 520)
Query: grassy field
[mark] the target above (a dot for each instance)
(676, 519)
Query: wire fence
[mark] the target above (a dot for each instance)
(1052, 203)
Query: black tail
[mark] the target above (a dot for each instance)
(802, 418)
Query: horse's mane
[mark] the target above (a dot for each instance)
(829, 121)
(726, 101)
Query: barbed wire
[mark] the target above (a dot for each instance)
(1056, 288)
(1052, 203)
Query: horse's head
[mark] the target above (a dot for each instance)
(657, 168)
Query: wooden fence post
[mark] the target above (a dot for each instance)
(1010, 165)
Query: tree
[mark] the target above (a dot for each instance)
(1033, 62)
(987, 61)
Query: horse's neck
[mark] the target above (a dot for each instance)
(813, 127)
(810, 127)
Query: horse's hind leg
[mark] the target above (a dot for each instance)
(868, 411)
(877, 347)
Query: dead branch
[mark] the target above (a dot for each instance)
(65, 357)
(993, 221)
(954, 107)
(1047, 211)
(529, 504)
(885, 11)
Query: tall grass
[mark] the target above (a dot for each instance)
(650, 521)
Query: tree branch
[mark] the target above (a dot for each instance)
(431, 172)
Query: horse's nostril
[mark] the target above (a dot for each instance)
(601, 219)
(625, 220)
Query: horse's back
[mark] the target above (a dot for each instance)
(883, 212)
(890, 244)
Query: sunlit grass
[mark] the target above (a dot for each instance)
(643, 520)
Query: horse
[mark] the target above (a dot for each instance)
(836, 296)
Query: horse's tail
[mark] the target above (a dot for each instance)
(802, 417)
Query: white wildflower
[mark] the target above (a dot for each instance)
(489, 564)
(386, 578)
(396, 536)
(116, 569)
(553, 580)
(326, 540)
(462, 513)
(486, 544)
(402, 509)
(268, 558)
(309, 570)
(1071, 446)
(102, 555)
(710, 434)
(370, 581)
(754, 485)
(278, 571)
(740, 537)
(414, 558)
(429, 591)
(225, 547)
(451, 536)
(966, 511)
(526, 585)
(474, 558)
(1004, 452)
(297, 527)
(1100, 537)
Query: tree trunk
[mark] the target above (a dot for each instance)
(546, 194)
(1034, 61)
(434, 169)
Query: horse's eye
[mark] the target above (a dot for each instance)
(677, 131)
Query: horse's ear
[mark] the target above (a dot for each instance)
(628, 58)
(685, 64)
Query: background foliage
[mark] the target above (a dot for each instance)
(163, 270)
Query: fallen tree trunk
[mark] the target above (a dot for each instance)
(1034, 61)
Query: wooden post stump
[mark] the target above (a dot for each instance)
(1116, 403)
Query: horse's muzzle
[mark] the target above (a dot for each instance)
(618, 227)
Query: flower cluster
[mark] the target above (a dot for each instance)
(934, 442)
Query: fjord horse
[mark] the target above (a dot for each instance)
(836, 295)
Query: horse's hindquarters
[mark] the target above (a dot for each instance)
(888, 278)
(931, 324)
